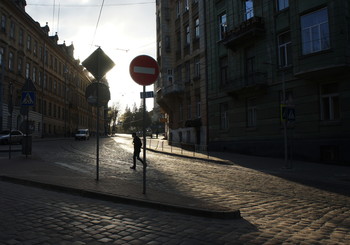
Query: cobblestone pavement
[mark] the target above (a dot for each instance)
(35, 216)
(275, 210)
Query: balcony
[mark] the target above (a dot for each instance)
(250, 82)
(166, 96)
(247, 30)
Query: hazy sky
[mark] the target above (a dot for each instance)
(126, 29)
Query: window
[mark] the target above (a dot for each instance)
(187, 35)
(187, 72)
(188, 136)
(1, 56)
(251, 113)
(50, 84)
(197, 67)
(41, 53)
(50, 108)
(3, 23)
(315, 31)
(198, 107)
(27, 70)
(178, 42)
(35, 48)
(250, 66)
(29, 42)
(19, 65)
(167, 43)
(45, 81)
(223, 70)
(170, 77)
(11, 61)
(222, 26)
(196, 28)
(178, 74)
(284, 49)
(186, 6)
(178, 8)
(330, 102)
(12, 30)
(282, 4)
(160, 48)
(55, 86)
(46, 57)
(223, 116)
(189, 109)
(20, 37)
(40, 78)
(34, 74)
(249, 9)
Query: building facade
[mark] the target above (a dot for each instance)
(181, 88)
(27, 51)
(279, 78)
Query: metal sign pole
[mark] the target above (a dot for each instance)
(98, 135)
(10, 108)
(144, 140)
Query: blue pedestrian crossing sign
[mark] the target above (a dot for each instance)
(28, 98)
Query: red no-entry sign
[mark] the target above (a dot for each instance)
(144, 70)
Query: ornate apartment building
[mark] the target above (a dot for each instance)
(27, 51)
(181, 88)
(279, 78)
(274, 77)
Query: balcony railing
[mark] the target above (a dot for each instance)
(173, 89)
(256, 80)
(249, 29)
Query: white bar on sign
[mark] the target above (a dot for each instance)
(144, 70)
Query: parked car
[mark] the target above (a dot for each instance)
(149, 132)
(82, 134)
(16, 137)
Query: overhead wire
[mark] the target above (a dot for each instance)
(91, 5)
(98, 21)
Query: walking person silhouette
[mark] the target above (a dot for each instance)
(137, 149)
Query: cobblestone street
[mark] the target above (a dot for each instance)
(276, 205)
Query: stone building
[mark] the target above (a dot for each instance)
(270, 77)
(181, 88)
(279, 78)
(27, 51)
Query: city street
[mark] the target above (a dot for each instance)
(276, 206)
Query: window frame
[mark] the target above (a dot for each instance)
(224, 124)
(251, 113)
(332, 106)
(196, 28)
(223, 67)
(282, 5)
(308, 31)
(286, 46)
(248, 9)
(222, 21)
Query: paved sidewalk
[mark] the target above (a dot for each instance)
(310, 173)
(34, 171)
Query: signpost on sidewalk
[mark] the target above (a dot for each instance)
(98, 64)
(144, 70)
(27, 99)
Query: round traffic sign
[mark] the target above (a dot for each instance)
(103, 94)
(144, 70)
